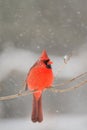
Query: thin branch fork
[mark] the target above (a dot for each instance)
(70, 88)
(14, 96)
(25, 93)
(71, 80)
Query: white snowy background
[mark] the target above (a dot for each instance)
(26, 28)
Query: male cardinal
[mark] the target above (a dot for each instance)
(40, 77)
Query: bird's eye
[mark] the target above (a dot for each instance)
(46, 63)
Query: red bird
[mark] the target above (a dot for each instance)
(40, 77)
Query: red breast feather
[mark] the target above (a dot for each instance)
(40, 77)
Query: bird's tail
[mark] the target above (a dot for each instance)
(37, 114)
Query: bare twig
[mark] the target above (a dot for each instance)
(69, 89)
(71, 80)
(25, 93)
(66, 59)
(17, 95)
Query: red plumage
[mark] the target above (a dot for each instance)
(39, 78)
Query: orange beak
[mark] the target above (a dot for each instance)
(50, 62)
